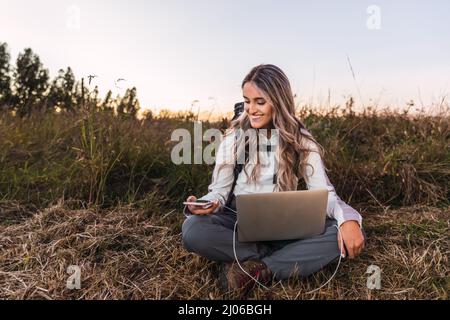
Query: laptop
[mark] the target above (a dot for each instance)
(281, 215)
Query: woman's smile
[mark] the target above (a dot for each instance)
(256, 118)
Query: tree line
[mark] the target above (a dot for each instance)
(27, 87)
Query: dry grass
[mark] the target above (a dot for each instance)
(126, 253)
(124, 230)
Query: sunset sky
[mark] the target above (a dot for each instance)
(178, 51)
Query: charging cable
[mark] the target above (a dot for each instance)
(259, 283)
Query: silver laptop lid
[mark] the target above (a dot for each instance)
(281, 215)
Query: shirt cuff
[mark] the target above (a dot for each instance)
(341, 222)
(341, 218)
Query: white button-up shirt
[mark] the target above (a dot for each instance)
(222, 179)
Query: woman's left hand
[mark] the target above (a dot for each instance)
(353, 238)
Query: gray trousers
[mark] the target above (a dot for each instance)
(211, 236)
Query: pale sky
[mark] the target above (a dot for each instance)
(178, 51)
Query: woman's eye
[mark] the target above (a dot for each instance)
(259, 103)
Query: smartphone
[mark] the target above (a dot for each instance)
(205, 204)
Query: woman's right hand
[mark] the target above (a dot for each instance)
(199, 210)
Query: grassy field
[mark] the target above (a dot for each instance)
(100, 192)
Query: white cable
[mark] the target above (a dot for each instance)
(339, 263)
(237, 260)
(235, 254)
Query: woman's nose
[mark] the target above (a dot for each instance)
(252, 108)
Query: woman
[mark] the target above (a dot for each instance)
(269, 104)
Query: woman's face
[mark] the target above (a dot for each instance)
(258, 107)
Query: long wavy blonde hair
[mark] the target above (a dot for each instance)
(294, 139)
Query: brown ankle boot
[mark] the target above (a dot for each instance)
(232, 278)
